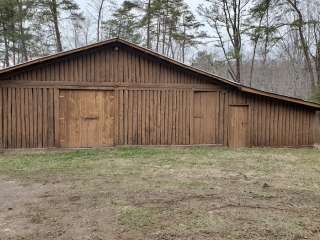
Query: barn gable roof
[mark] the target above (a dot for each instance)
(214, 77)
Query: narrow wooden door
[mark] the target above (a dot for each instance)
(86, 118)
(238, 127)
(205, 117)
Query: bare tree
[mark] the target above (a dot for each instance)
(99, 19)
(300, 23)
(226, 17)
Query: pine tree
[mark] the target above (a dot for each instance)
(15, 32)
(188, 34)
(261, 31)
(123, 24)
(51, 10)
(7, 21)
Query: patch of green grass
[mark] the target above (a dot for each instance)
(140, 152)
(128, 163)
(192, 184)
(136, 218)
(37, 162)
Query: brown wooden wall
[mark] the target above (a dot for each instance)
(153, 116)
(155, 103)
(274, 123)
(108, 65)
(27, 117)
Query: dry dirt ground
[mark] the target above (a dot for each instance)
(160, 194)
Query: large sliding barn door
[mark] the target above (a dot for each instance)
(205, 117)
(86, 118)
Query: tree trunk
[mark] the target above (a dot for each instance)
(318, 64)
(253, 61)
(148, 25)
(303, 42)
(305, 49)
(6, 54)
(184, 42)
(256, 41)
(237, 50)
(14, 53)
(54, 11)
(169, 41)
(24, 52)
(238, 70)
(164, 30)
(158, 35)
(183, 47)
(99, 20)
(165, 26)
(266, 42)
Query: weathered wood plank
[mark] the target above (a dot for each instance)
(45, 118)
(51, 116)
(19, 117)
(39, 113)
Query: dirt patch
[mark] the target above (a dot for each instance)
(51, 211)
(15, 200)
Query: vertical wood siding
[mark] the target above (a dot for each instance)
(155, 104)
(27, 118)
(276, 123)
(109, 65)
(153, 117)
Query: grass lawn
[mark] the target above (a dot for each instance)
(160, 193)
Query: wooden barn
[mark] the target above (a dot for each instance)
(117, 93)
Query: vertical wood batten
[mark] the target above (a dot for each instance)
(22, 118)
(5, 117)
(51, 118)
(9, 120)
(18, 118)
(13, 120)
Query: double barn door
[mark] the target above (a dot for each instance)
(86, 118)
